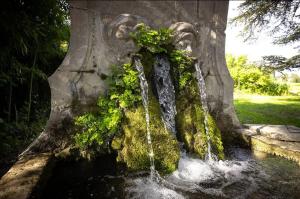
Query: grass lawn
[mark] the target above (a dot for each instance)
(258, 109)
(294, 88)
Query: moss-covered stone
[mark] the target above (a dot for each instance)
(190, 123)
(134, 149)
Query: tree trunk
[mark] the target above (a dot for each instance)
(30, 87)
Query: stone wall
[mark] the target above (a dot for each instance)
(100, 39)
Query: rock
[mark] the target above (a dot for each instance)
(289, 150)
(24, 176)
(278, 132)
(278, 140)
(133, 150)
(190, 124)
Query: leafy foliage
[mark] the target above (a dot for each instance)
(183, 67)
(280, 18)
(281, 63)
(153, 40)
(251, 78)
(258, 15)
(160, 41)
(98, 128)
(31, 49)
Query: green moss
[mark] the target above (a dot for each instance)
(190, 123)
(120, 113)
(134, 150)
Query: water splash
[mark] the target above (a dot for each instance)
(165, 91)
(203, 97)
(144, 92)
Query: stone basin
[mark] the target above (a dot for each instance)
(280, 140)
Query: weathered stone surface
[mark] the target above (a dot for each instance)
(279, 140)
(22, 178)
(277, 132)
(289, 150)
(100, 38)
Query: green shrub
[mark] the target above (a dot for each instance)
(252, 78)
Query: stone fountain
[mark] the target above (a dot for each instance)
(100, 38)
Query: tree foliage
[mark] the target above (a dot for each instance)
(252, 78)
(33, 37)
(281, 18)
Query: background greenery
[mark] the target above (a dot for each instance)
(259, 109)
(260, 98)
(34, 40)
(253, 78)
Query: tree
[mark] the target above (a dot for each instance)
(280, 18)
(252, 78)
(30, 50)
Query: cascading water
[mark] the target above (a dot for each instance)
(165, 91)
(240, 177)
(144, 92)
(203, 97)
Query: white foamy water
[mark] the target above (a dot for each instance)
(149, 189)
(217, 179)
(194, 170)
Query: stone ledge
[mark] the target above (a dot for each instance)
(22, 178)
(277, 132)
(289, 150)
(280, 140)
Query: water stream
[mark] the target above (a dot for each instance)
(165, 91)
(203, 97)
(241, 176)
(144, 92)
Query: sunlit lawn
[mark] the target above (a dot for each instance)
(294, 88)
(258, 109)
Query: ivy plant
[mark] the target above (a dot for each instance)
(97, 128)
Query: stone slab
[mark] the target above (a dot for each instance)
(20, 181)
(280, 140)
(289, 150)
(277, 132)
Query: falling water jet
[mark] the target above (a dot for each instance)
(203, 97)
(144, 92)
(165, 91)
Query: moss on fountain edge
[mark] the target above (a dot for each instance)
(190, 123)
(128, 128)
(132, 145)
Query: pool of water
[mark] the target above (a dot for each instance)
(240, 176)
